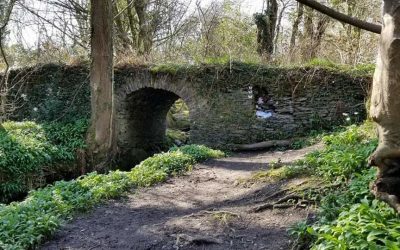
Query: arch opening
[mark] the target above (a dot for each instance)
(150, 112)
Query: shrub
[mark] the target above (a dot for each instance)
(26, 148)
(345, 153)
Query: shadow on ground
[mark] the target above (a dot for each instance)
(205, 209)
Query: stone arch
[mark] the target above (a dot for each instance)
(142, 103)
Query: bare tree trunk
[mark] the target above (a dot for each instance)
(317, 35)
(132, 24)
(295, 28)
(385, 106)
(266, 24)
(308, 35)
(120, 29)
(101, 81)
(278, 25)
(4, 19)
(140, 7)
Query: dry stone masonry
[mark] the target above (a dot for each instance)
(230, 105)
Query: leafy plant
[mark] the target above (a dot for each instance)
(26, 148)
(25, 224)
(349, 217)
(345, 153)
(199, 152)
(157, 168)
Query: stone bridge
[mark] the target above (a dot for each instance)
(142, 103)
(228, 105)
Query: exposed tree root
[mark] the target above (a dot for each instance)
(184, 239)
(299, 204)
(220, 212)
(289, 197)
(276, 194)
(284, 203)
(386, 186)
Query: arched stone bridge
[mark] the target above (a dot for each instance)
(230, 105)
(142, 103)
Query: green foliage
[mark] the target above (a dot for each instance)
(25, 224)
(199, 152)
(157, 168)
(170, 68)
(369, 224)
(358, 70)
(173, 135)
(281, 173)
(349, 216)
(353, 219)
(365, 68)
(26, 148)
(319, 62)
(345, 153)
(230, 37)
(313, 137)
(178, 116)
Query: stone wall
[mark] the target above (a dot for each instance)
(222, 101)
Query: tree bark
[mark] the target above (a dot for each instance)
(120, 30)
(317, 35)
(5, 18)
(295, 28)
(101, 82)
(140, 8)
(375, 28)
(132, 24)
(278, 25)
(385, 106)
(266, 25)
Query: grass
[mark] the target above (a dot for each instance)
(26, 224)
(282, 173)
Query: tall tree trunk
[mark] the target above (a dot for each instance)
(317, 35)
(140, 8)
(278, 26)
(295, 29)
(120, 29)
(101, 133)
(315, 25)
(266, 24)
(308, 35)
(385, 106)
(4, 19)
(132, 24)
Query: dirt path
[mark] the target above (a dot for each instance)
(204, 209)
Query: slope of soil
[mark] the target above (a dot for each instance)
(205, 209)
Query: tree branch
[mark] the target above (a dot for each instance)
(375, 28)
(72, 37)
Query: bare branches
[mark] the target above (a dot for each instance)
(71, 36)
(5, 18)
(375, 28)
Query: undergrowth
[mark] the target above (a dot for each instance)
(28, 150)
(349, 217)
(25, 224)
